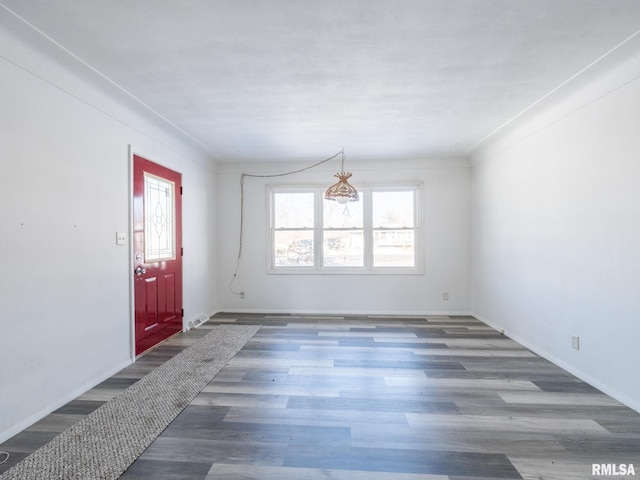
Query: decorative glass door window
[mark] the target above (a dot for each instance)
(159, 219)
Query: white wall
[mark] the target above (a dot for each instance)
(556, 233)
(445, 219)
(64, 192)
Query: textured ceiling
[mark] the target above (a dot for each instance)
(258, 80)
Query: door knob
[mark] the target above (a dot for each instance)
(140, 270)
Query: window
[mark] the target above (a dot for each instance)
(342, 234)
(314, 235)
(159, 214)
(393, 228)
(293, 228)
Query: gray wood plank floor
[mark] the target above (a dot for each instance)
(313, 397)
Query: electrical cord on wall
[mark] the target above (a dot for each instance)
(242, 177)
(6, 454)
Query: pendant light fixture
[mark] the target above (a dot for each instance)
(342, 192)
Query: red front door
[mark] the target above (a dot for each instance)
(157, 251)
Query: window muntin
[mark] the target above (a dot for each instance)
(378, 233)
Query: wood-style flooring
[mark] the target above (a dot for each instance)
(434, 398)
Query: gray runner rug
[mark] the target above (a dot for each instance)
(105, 443)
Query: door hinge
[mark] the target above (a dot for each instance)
(180, 189)
(182, 312)
(182, 251)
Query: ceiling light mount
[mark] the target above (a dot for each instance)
(343, 191)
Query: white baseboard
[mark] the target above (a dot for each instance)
(27, 422)
(395, 313)
(585, 377)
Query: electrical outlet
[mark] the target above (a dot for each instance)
(121, 238)
(242, 295)
(575, 342)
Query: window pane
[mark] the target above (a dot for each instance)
(159, 224)
(293, 210)
(392, 209)
(343, 248)
(336, 215)
(293, 248)
(393, 248)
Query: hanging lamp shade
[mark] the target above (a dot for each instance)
(343, 191)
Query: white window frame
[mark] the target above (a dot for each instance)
(365, 192)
